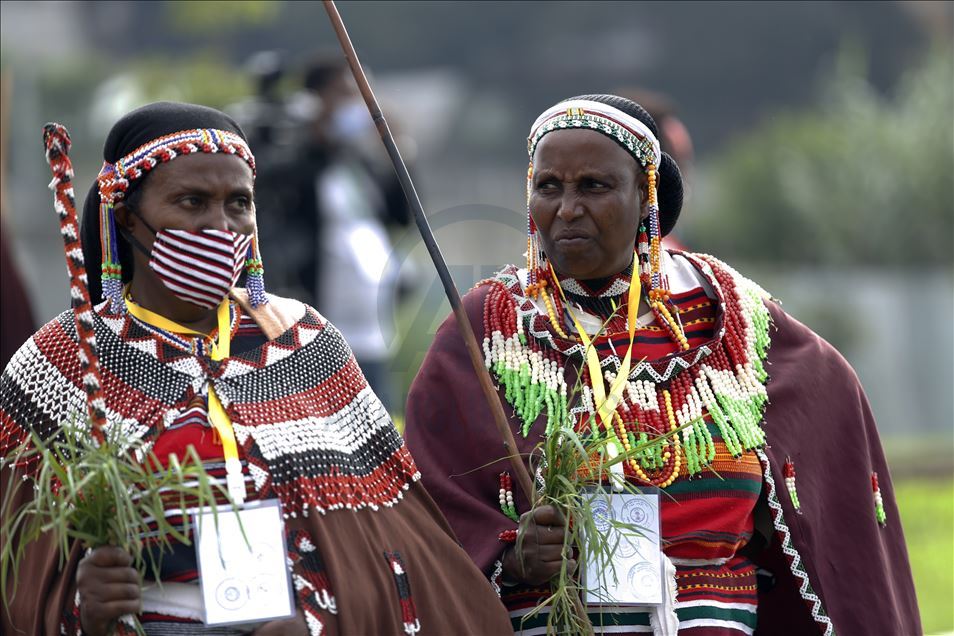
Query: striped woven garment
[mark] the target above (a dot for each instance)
(705, 519)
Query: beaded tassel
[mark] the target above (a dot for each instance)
(533, 380)
(788, 471)
(507, 536)
(652, 277)
(537, 270)
(111, 188)
(408, 612)
(314, 585)
(255, 281)
(878, 501)
(506, 497)
(56, 141)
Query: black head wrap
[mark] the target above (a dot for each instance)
(134, 130)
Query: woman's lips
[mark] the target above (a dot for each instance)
(573, 242)
(571, 238)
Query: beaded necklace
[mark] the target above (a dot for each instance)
(195, 343)
(219, 348)
(528, 350)
(603, 297)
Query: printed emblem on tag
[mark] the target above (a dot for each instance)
(632, 575)
(244, 578)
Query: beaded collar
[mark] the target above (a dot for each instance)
(600, 296)
(722, 379)
(538, 324)
(193, 344)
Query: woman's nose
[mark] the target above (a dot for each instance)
(216, 218)
(570, 207)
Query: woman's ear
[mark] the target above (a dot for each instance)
(642, 187)
(124, 218)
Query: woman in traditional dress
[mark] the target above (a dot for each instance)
(777, 510)
(264, 383)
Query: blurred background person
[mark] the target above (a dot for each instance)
(16, 312)
(336, 202)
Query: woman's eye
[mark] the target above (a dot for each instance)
(191, 201)
(546, 186)
(242, 203)
(593, 184)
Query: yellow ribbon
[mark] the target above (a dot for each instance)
(219, 419)
(606, 404)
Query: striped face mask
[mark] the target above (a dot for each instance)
(199, 267)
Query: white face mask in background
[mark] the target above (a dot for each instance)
(350, 122)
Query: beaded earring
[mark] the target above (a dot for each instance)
(788, 471)
(537, 269)
(111, 188)
(654, 280)
(506, 497)
(255, 280)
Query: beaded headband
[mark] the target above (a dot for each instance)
(632, 134)
(115, 178)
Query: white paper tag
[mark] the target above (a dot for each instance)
(634, 575)
(244, 579)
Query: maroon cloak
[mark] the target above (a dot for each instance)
(836, 569)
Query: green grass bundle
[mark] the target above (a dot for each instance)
(576, 469)
(98, 494)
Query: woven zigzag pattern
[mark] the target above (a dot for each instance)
(616, 287)
(791, 554)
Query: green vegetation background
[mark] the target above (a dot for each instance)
(923, 474)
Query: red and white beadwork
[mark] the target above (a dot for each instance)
(788, 470)
(724, 378)
(56, 139)
(408, 612)
(506, 496)
(878, 501)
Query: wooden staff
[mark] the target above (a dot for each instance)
(463, 324)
